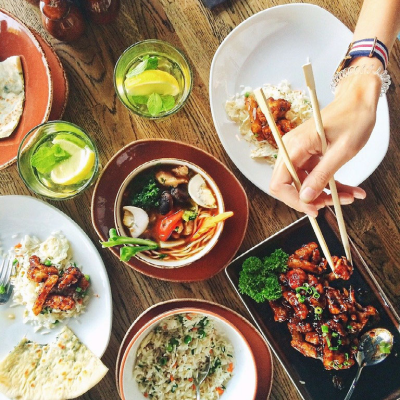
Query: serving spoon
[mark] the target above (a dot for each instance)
(201, 375)
(375, 346)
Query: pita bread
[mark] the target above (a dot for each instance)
(63, 369)
(12, 95)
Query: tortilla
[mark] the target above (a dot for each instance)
(12, 95)
(63, 369)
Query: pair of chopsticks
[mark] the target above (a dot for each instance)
(262, 102)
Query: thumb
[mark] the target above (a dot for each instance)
(319, 177)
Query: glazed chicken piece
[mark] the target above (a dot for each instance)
(336, 302)
(296, 278)
(312, 337)
(43, 293)
(281, 313)
(295, 262)
(259, 124)
(305, 348)
(300, 309)
(59, 302)
(83, 283)
(70, 277)
(297, 325)
(334, 359)
(342, 269)
(38, 272)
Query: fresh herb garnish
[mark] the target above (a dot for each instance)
(189, 215)
(385, 347)
(2, 289)
(258, 278)
(168, 102)
(142, 100)
(154, 104)
(46, 158)
(148, 196)
(146, 63)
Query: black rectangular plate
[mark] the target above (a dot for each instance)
(313, 382)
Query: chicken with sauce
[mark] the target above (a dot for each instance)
(60, 291)
(324, 321)
(259, 124)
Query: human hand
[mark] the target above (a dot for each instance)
(348, 123)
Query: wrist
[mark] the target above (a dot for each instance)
(362, 87)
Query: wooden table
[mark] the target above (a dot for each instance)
(373, 224)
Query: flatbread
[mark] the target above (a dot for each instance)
(12, 95)
(63, 369)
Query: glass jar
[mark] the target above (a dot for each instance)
(102, 11)
(62, 19)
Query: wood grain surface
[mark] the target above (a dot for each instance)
(373, 224)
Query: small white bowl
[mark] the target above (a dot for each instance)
(118, 216)
(243, 383)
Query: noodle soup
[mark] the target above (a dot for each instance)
(174, 203)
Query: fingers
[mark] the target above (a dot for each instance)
(319, 177)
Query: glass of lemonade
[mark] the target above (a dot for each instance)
(58, 160)
(153, 79)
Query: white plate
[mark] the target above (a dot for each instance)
(274, 45)
(243, 383)
(23, 215)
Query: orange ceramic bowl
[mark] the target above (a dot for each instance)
(17, 40)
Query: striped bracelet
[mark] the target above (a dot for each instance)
(365, 48)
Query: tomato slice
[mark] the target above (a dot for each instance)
(168, 224)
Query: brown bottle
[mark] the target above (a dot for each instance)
(62, 19)
(102, 11)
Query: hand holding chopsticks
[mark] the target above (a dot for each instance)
(308, 74)
(263, 104)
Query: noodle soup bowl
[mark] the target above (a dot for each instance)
(122, 198)
(243, 382)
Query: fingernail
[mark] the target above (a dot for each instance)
(360, 195)
(307, 195)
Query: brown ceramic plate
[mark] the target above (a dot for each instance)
(58, 76)
(235, 199)
(17, 40)
(258, 346)
(308, 375)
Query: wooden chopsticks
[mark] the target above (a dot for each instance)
(309, 76)
(262, 102)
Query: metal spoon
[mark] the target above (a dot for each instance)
(201, 375)
(375, 346)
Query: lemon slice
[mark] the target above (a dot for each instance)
(152, 81)
(76, 168)
(70, 138)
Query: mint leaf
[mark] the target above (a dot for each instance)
(168, 102)
(154, 104)
(139, 99)
(46, 158)
(146, 63)
(152, 63)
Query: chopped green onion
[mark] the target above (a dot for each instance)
(346, 356)
(78, 289)
(187, 339)
(385, 347)
(87, 277)
(324, 329)
(2, 289)
(47, 263)
(335, 334)
(15, 262)
(163, 360)
(247, 94)
(349, 327)
(318, 310)
(169, 347)
(316, 295)
(328, 341)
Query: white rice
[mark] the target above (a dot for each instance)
(299, 112)
(165, 371)
(55, 248)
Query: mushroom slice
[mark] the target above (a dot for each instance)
(200, 193)
(135, 219)
(168, 179)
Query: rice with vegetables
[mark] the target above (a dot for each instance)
(238, 111)
(36, 264)
(168, 359)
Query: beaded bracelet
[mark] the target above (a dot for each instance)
(357, 70)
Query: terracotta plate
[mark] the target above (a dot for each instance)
(258, 346)
(17, 40)
(308, 375)
(58, 76)
(234, 196)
